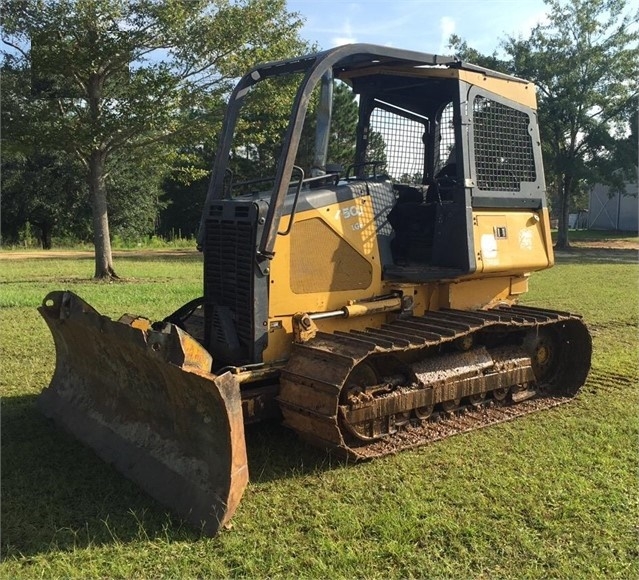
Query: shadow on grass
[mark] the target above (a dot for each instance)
(57, 495)
(597, 256)
(275, 452)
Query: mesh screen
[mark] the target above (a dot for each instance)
(446, 138)
(398, 142)
(503, 146)
(322, 261)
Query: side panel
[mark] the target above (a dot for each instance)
(323, 261)
(510, 241)
(330, 257)
(482, 293)
(340, 230)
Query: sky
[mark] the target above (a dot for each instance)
(422, 25)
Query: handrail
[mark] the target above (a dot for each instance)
(297, 195)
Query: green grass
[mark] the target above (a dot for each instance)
(551, 495)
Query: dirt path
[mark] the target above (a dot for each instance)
(608, 244)
(603, 250)
(78, 254)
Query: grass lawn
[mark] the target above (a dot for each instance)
(550, 495)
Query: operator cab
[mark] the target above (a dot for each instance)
(428, 142)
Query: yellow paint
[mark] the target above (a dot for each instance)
(476, 293)
(510, 241)
(509, 244)
(352, 221)
(324, 261)
(518, 285)
(545, 220)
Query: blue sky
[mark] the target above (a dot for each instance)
(423, 25)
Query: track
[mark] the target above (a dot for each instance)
(463, 420)
(370, 393)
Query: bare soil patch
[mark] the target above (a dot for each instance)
(601, 250)
(608, 244)
(79, 254)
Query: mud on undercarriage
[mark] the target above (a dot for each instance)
(373, 392)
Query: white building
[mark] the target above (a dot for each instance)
(613, 211)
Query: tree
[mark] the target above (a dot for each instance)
(623, 164)
(469, 54)
(44, 190)
(585, 65)
(584, 61)
(40, 187)
(114, 78)
(343, 129)
(184, 191)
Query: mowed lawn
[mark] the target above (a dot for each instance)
(550, 495)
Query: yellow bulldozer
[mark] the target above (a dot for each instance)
(371, 306)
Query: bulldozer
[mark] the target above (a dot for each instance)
(372, 306)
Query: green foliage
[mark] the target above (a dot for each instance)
(469, 54)
(131, 78)
(584, 61)
(45, 191)
(162, 69)
(343, 130)
(341, 144)
(184, 192)
(622, 164)
(261, 128)
(376, 150)
(552, 495)
(135, 196)
(40, 187)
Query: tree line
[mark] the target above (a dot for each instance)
(110, 108)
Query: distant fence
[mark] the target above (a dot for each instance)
(614, 211)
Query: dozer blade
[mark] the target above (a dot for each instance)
(146, 402)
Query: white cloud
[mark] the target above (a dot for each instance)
(345, 36)
(339, 40)
(446, 27)
(418, 24)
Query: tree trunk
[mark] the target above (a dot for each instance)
(97, 185)
(46, 235)
(562, 242)
(101, 237)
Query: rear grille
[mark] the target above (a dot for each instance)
(228, 272)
